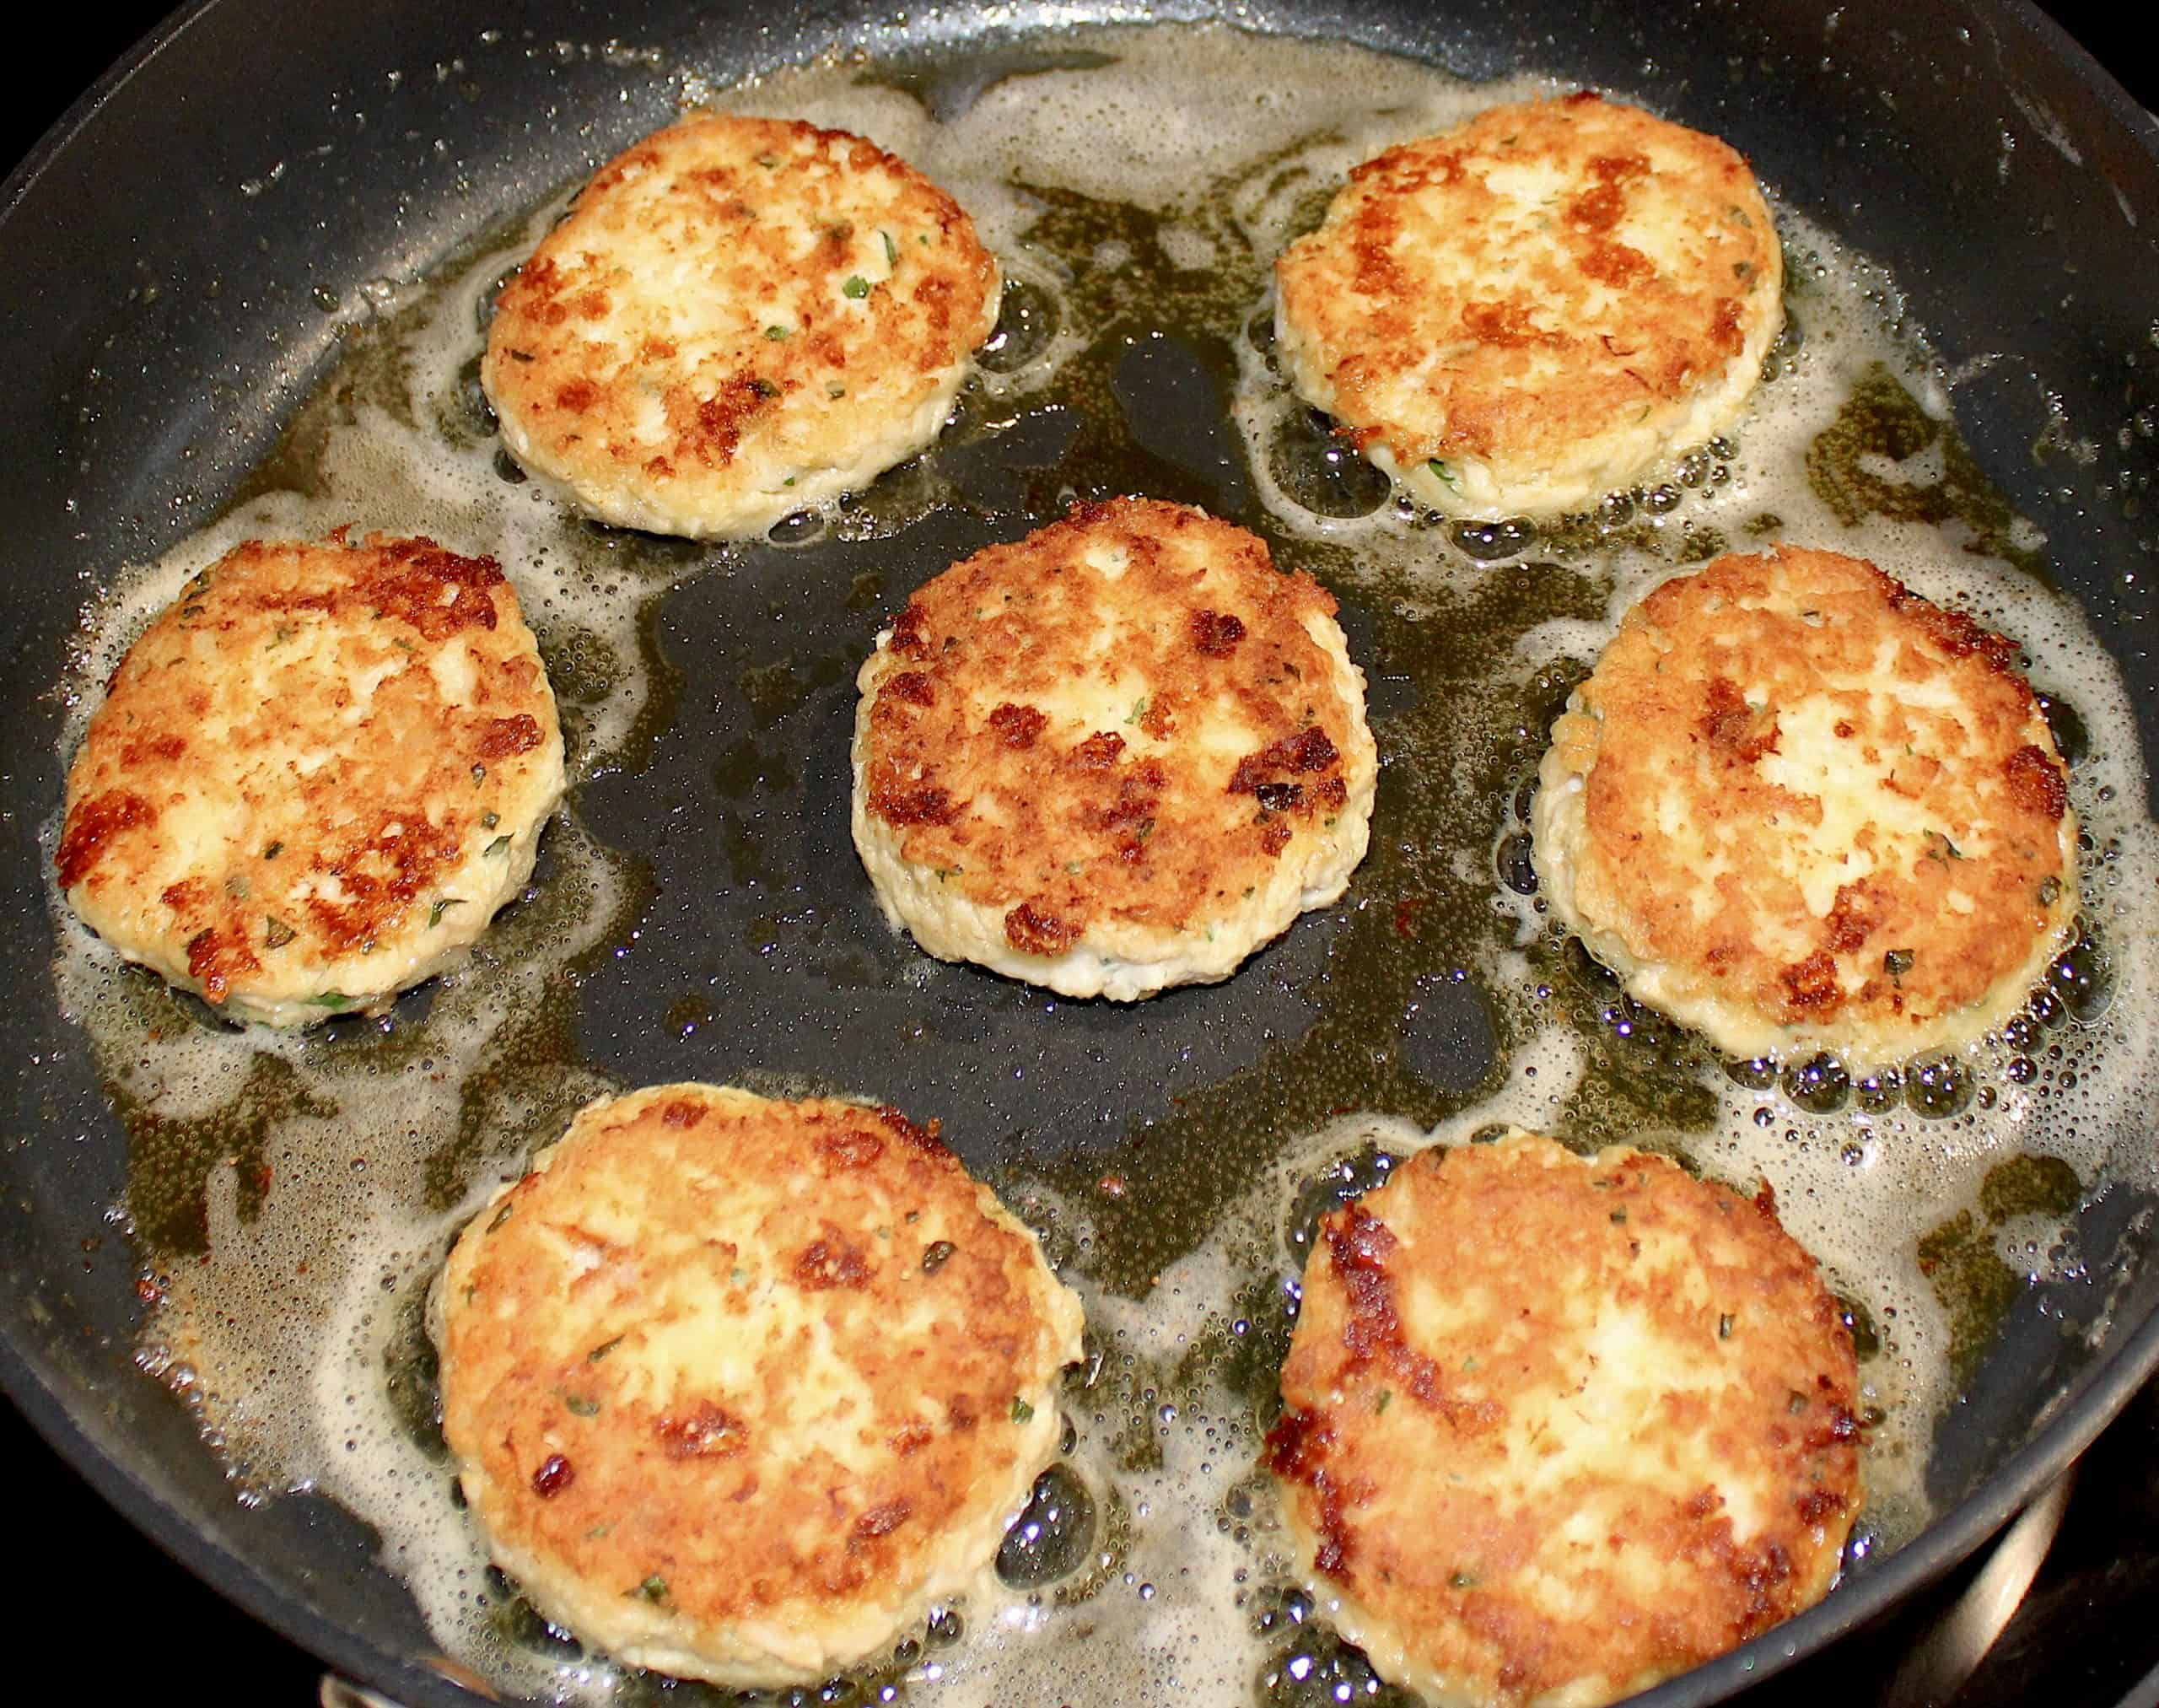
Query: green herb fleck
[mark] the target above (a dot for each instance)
(582, 1405)
(1386, 1400)
(602, 1349)
(502, 1216)
(1724, 1327)
(652, 1589)
(768, 161)
(1618, 1215)
(2049, 889)
(330, 998)
(764, 387)
(933, 1256)
(834, 389)
(275, 933)
(1796, 1402)
(1897, 962)
(1139, 708)
(856, 286)
(442, 907)
(499, 845)
(1021, 1411)
(1462, 1579)
(1444, 473)
(272, 852)
(488, 820)
(775, 333)
(891, 249)
(479, 773)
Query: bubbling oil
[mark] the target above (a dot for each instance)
(294, 1224)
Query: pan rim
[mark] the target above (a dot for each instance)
(1956, 1535)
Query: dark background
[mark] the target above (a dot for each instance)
(2086, 1635)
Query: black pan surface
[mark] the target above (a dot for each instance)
(127, 432)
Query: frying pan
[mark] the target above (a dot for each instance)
(161, 325)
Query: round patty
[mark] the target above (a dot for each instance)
(315, 776)
(1117, 756)
(1537, 307)
(1798, 807)
(739, 318)
(1554, 1430)
(739, 1388)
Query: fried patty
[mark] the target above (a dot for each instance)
(1535, 308)
(1798, 807)
(739, 1388)
(1118, 755)
(315, 776)
(739, 318)
(1555, 1429)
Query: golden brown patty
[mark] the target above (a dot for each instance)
(738, 1388)
(1536, 307)
(739, 318)
(315, 776)
(1117, 756)
(1800, 807)
(1554, 1430)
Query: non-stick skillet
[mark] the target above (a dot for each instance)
(132, 412)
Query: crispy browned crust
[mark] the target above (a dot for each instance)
(1533, 341)
(1401, 1440)
(204, 719)
(1135, 822)
(701, 232)
(1663, 715)
(736, 1495)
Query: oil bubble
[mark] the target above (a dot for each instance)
(1488, 542)
(1939, 1087)
(1819, 1086)
(1050, 1539)
(1027, 321)
(1321, 473)
(1518, 863)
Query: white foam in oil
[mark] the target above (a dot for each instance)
(281, 1332)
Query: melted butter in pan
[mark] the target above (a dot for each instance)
(293, 1195)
